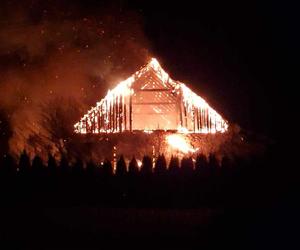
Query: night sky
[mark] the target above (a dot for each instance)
(234, 54)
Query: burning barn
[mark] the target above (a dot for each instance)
(149, 112)
(150, 100)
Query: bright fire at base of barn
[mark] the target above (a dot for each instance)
(138, 144)
(150, 100)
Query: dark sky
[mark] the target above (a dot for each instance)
(235, 54)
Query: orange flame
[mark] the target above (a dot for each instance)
(199, 117)
(180, 143)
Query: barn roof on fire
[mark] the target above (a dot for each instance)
(150, 100)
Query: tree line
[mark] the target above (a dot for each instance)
(186, 182)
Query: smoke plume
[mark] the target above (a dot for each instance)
(57, 60)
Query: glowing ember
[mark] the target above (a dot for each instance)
(150, 100)
(139, 163)
(180, 143)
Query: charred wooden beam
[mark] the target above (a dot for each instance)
(193, 119)
(200, 119)
(119, 114)
(125, 116)
(197, 119)
(185, 116)
(180, 109)
(130, 112)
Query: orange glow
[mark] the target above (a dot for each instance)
(180, 143)
(139, 163)
(150, 100)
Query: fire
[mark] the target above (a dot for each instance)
(139, 163)
(151, 100)
(182, 130)
(180, 143)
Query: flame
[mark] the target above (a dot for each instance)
(182, 130)
(148, 131)
(193, 101)
(180, 143)
(139, 163)
(110, 115)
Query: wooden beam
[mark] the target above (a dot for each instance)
(154, 103)
(125, 115)
(153, 90)
(120, 114)
(185, 116)
(130, 112)
(152, 113)
(193, 118)
(201, 119)
(180, 108)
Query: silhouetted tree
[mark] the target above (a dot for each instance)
(187, 165)
(146, 165)
(5, 131)
(213, 161)
(52, 165)
(121, 167)
(201, 167)
(226, 164)
(7, 166)
(64, 165)
(213, 164)
(225, 167)
(174, 165)
(213, 184)
(133, 167)
(91, 169)
(201, 162)
(37, 166)
(107, 169)
(78, 168)
(160, 165)
(24, 163)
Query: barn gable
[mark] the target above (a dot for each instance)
(151, 100)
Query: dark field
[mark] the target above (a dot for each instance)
(92, 227)
(246, 204)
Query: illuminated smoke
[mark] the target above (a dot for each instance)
(55, 62)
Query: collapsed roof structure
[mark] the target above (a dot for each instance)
(150, 100)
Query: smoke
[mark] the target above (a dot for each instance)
(56, 61)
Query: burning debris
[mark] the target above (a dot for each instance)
(150, 100)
